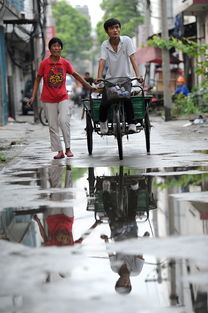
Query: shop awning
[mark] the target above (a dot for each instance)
(152, 55)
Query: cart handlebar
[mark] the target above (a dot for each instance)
(140, 81)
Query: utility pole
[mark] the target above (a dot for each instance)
(165, 62)
(147, 18)
(147, 23)
(35, 103)
(1, 101)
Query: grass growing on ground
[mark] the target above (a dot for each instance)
(2, 157)
(195, 103)
(184, 105)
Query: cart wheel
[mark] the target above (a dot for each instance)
(89, 130)
(118, 134)
(147, 131)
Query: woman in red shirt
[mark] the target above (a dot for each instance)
(54, 95)
(60, 230)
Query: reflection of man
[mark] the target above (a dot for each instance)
(126, 266)
(121, 210)
(123, 226)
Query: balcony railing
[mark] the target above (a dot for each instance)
(190, 7)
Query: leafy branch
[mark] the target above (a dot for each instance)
(188, 47)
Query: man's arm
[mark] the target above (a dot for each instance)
(101, 67)
(135, 67)
(106, 239)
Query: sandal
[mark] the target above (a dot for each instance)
(59, 155)
(69, 154)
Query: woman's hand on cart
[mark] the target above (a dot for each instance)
(93, 89)
(99, 85)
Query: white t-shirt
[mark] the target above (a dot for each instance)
(133, 263)
(118, 63)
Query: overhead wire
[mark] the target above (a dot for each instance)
(41, 18)
(2, 3)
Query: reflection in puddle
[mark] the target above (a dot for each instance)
(129, 231)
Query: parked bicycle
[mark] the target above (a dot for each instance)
(42, 117)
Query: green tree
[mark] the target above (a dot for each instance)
(73, 28)
(129, 13)
(182, 181)
(189, 47)
(197, 100)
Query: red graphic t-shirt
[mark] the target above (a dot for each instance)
(54, 79)
(56, 223)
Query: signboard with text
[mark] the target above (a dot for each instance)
(187, 5)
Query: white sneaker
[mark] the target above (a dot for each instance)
(134, 186)
(104, 128)
(132, 128)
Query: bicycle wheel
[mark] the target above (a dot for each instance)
(118, 133)
(89, 130)
(147, 131)
(42, 117)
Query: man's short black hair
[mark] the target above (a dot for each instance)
(55, 40)
(111, 22)
(123, 290)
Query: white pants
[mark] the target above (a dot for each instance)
(58, 115)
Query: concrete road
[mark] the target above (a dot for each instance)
(168, 188)
(172, 144)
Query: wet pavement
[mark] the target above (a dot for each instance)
(97, 234)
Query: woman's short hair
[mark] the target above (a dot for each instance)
(55, 40)
(111, 22)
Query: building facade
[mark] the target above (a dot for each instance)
(197, 10)
(186, 18)
(22, 45)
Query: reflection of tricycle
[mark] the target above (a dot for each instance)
(117, 90)
(124, 193)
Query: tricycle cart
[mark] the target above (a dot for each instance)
(118, 90)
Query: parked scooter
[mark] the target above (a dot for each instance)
(26, 95)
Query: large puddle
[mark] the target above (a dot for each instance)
(104, 239)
